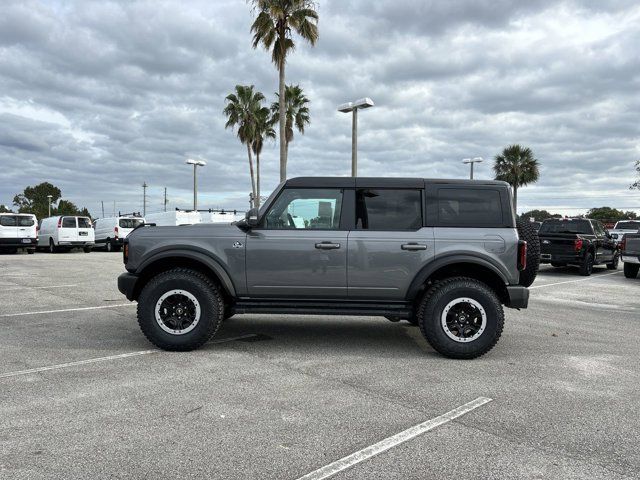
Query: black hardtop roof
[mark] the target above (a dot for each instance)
(381, 182)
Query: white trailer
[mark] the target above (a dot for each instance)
(173, 218)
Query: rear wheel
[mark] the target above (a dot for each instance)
(586, 268)
(109, 246)
(31, 251)
(530, 235)
(52, 246)
(631, 270)
(461, 317)
(87, 249)
(614, 263)
(180, 309)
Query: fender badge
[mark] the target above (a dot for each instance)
(237, 245)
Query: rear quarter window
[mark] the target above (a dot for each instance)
(469, 207)
(130, 222)
(7, 221)
(84, 222)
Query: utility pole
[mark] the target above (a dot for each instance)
(114, 208)
(102, 202)
(144, 199)
(165, 199)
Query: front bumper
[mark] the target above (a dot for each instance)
(18, 242)
(518, 297)
(127, 285)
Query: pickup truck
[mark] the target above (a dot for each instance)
(623, 227)
(580, 242)
(630, 248)
(446, 255)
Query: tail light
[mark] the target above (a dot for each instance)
(125, 251)
(577, 244)
(522, 255)
(37, 232)
(622, 245)
(59, 222)
(115, 232)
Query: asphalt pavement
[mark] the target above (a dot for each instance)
(84, 395)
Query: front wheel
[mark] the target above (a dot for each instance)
(180, 309)
(631, 270)
(461, 317)
(614, 263)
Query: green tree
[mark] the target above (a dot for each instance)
(636, 184)
(539, 215)
(241, 110)
(517, 166)
(608, 213)
(263, 130)
(297, 112)
(273, 28)
(34, 199)
(5, 209)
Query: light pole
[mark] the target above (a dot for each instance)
(354, 107)
(49, 197)
(471, 161)
(196, 164)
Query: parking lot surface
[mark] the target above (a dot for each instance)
(84, 395)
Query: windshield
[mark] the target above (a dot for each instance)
(627, 225)
(130, 222)
(566, 226)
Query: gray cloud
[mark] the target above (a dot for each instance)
(99, 96)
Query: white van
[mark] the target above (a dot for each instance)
(174, 218)
(111, 231)
(66, 232)
(18, 231)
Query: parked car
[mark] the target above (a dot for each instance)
(623, 227)
(443, 254)
(110, 232)
(62, 233)
(630, 252)
(18, 231)
(578, 242)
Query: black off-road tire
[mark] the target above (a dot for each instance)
(87, 249)
(631, 270)
(208, 295)
(435, 300)
(614, 263)
(31, 251)
(586, 268)
(530, 235)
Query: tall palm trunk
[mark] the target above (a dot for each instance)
(283, 143)
(515, 200)
(253, 180)
(257, 204)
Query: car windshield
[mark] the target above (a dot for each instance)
(566, 226)
(627, 226)
(130, 222)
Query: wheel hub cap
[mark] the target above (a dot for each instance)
(177, 312)
(463, 319)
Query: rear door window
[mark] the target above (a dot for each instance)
(566, 226)
(26, 221)
(8, 221)
(69, 222)
(469, 207)
(388, 209)
(130, 222)
(84, 222)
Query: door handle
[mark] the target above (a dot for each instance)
(413, 246)
(327, 246)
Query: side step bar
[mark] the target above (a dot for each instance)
(301, 307)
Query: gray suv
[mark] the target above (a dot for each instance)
(442, 254)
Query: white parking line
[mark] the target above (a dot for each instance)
(31, 288)
(390, 442)
(73, 364)
(574, 281)
(106, 359)
(79, 309)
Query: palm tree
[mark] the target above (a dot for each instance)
(263, 129)
(241, 109)
(517, 166)
(273, 28)
(297, 112)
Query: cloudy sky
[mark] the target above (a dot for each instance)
(98, 97)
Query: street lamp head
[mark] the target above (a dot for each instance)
(472, 160)
(199, 163)
(358, 104)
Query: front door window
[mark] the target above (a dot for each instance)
(305, 208)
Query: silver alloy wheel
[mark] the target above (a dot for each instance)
(177, 312)
(463, 319)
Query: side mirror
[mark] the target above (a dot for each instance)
(250, 220)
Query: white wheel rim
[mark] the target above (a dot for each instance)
(470, 305)
(162, 313)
